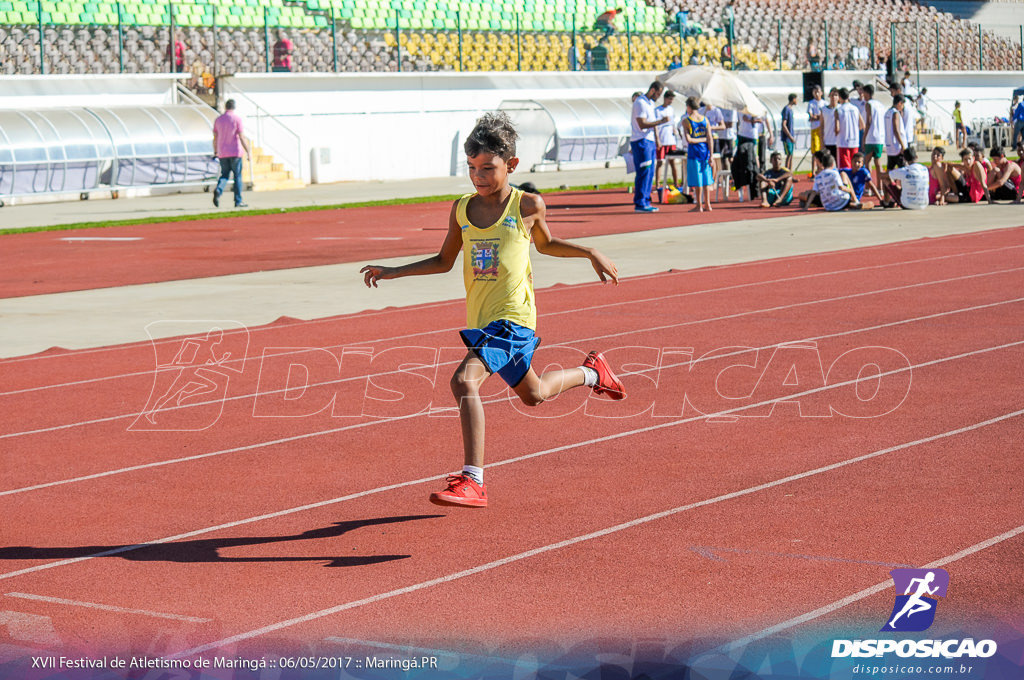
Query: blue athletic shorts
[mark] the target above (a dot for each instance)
(506, 348)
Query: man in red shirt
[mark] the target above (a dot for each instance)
(176, 54)
(283, 49)
(606, 21)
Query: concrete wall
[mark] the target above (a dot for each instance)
(377, 126)
(411, 125)
(29, 93)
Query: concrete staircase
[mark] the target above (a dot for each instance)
(268, 175)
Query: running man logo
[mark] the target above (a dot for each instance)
(192, 373)
(914, 610)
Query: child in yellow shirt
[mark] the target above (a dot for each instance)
(493, 228)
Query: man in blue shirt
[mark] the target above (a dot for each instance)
(1018, 122)
(789, 130)
(643, 146)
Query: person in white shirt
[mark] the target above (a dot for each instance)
(665, 140)
(727, 137)
(848, 127)
(874, 129)
(828, 116)
(830, 186)
(895, 140)
(912, 194)
(814, 115)
(644, 148)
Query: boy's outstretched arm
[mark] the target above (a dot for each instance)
(533, 211)
(437, 264)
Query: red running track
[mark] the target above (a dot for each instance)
(268, 518)
(84, 259)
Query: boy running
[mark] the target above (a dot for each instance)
(493, 228)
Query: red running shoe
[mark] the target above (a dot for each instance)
(462, 491)
(607, 382)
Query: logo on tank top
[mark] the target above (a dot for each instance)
(485, 260)
(510, 222)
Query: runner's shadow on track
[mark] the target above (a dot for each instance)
(208, 549)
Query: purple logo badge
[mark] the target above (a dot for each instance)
(916, 593)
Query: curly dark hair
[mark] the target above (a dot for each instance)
(494, 133)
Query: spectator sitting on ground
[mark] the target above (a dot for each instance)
(776, 184)
(912, 193)
(943, 180)
(1004, 183)
(859, 177)
(830, 188)
(974, 185)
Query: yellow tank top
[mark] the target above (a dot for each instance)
(496, 267)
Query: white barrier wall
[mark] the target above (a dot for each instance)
(378, 126)
(385, 126)
(30, 93)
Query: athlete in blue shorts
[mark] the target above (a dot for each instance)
(500, 302)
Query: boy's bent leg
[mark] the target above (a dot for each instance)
(534, 390)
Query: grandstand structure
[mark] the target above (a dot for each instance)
(234, 36)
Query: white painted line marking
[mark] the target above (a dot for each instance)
(566, 342)
(108, 608)
(275, 327)
(357, 238)
(528, 456)
(587, 537)
(373, 423)
(101, 238)
(867, 592)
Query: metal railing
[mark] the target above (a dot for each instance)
(271, 133)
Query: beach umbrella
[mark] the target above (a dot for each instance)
(713, 85)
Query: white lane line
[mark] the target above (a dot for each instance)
(867, 592)
(399, 485)
(580, 539)
(108, 608)
(101, 238)
(453, 329)
(357, 238)
(683, 324)
(373, 423)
